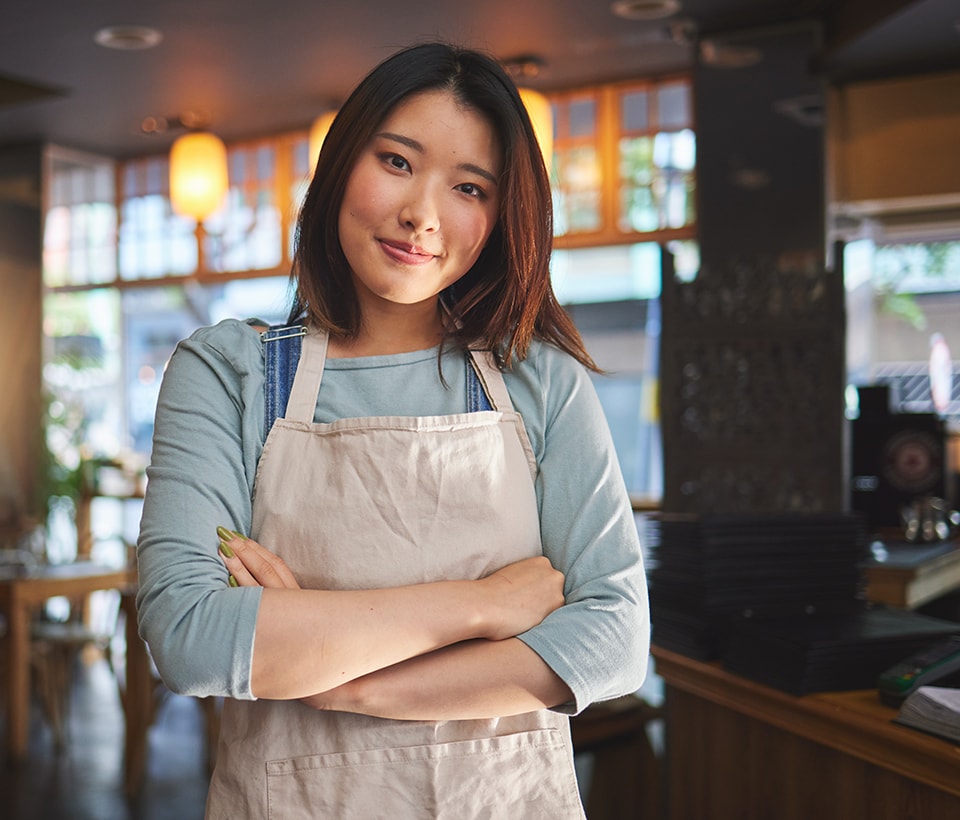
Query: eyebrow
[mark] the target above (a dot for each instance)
(418, 147)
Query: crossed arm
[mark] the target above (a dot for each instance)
(440, 651)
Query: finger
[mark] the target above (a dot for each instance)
(267, 567)
(252, 563)
(239, 576)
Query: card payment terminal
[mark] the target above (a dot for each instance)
(938, 664)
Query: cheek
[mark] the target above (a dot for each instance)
(474, 231)
(361, 196)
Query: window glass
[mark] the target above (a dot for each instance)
(606, 274)
(156, 319)
(629, 402)
(583, 118)
(154, 241)
(81, 373)
(638, 202)
(300, 181)
(903, 322)
(80, 226)
(918, 267)
(673, 105)
(577, 203)
(634, 116)
(246, 233)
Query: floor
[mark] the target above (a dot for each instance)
(85, 780)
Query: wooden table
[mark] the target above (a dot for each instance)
(20, 598)
(739, 750)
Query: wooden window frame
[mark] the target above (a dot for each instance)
(607, 137)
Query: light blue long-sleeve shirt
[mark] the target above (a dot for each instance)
(207, 442)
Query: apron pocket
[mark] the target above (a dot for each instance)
(527, 775)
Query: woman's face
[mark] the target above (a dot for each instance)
(420, 202)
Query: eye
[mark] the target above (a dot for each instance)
(472, 189)
(395, 161)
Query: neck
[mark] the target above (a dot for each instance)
(399, 329)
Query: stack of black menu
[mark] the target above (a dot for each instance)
(829, 653)
(707, 570)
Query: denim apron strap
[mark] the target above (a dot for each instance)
(281, 350)
(485, 373)
(477, 400)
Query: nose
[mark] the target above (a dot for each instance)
(420, 212)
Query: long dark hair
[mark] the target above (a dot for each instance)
(505, 300)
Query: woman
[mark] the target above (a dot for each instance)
(442, 560)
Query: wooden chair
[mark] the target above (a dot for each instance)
(56, 648)
(56, 643)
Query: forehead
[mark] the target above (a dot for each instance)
(437, 115)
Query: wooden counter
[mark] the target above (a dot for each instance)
(740, 750)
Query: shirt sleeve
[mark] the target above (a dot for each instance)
(206, 442)
(598, 642)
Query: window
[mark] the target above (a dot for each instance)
(122, 287)
(154, 242)
(613, 294)
(267, 182)
(79, 239)
(625, 159)
(903, 307)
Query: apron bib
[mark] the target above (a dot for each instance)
(365, 503)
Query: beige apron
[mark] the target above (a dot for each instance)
(377, 502)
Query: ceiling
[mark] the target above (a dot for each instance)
(254, 68)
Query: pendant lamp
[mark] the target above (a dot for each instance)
(198, 174)
(541, 115)
(318, 133)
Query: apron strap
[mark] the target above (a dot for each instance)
(477, 399)
(281, 351)
(491, 382)
(306, 383)
(485, 371)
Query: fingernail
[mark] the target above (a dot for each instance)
(233, 581)
(225, 534)
(238, 534)
(225, 549)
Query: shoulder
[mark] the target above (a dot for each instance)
(553, 370)
(229, 333)
(234, 343)
(549, 384)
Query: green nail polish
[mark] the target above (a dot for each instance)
(224, 533)
(233, 582)
(238, 534)
(225, 549)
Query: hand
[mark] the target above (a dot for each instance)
(252, 565)
(523, 594)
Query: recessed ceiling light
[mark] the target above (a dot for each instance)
(649, 10)
(750, 179)
(128, 38)
(524, 67)
(728, 55)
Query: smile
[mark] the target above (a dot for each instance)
(405, 253)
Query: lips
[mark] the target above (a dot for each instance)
(405, 253)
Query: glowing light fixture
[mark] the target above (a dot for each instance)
(541, 115)
(318, 133)
(198, 174)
